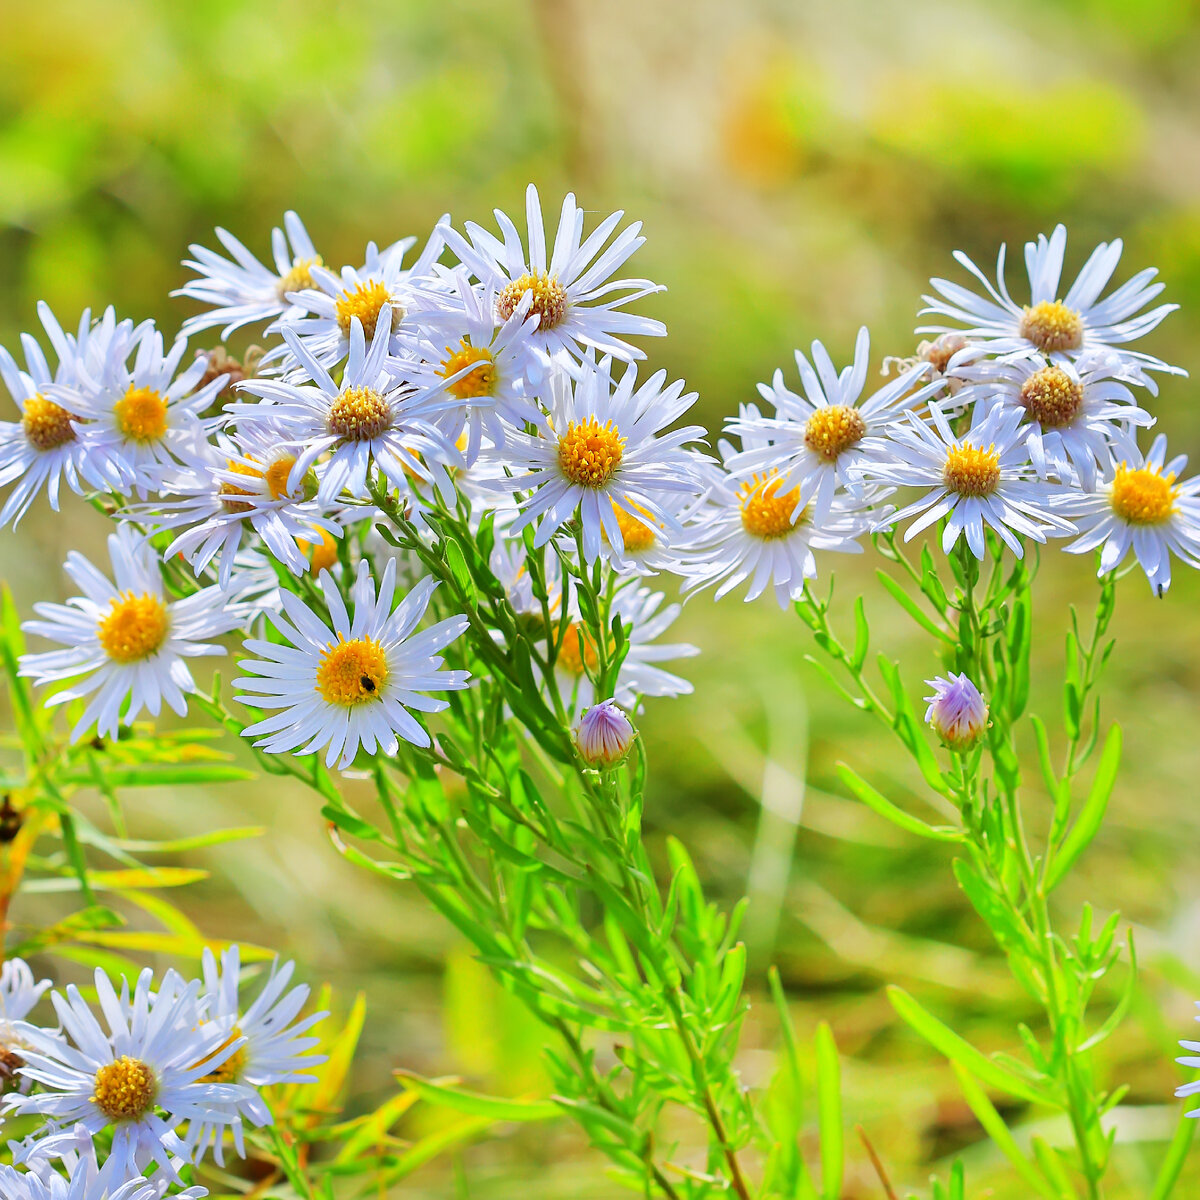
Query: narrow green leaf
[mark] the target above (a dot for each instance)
(1176, 1156)
(910, 606)
(829, 1113)
(475, 1104)
(882, 805)
(961, 1052)
(1087, 824)
(996, 1129)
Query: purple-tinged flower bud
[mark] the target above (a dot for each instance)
(957, 712)
(603, 735)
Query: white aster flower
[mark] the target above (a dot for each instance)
(755, 530)
(1060, 327)
(576, 301)
(83, 1180)
(983, 479)
(638, 676)
(244, 292)
(225, 490)
(142, 419)
(140, 1079)
(125, 641)
(382, 292)
(271, 1045)
(820, 441)
(600, 449)
(366, 420)
(44, 447)
(482, 361)
(351, 682)
(1076, 416)
(1140, 505)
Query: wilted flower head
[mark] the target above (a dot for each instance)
(603, 735)
(957, 712)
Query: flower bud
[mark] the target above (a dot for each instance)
(957, 712)
(603, 735)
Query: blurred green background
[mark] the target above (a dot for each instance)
(800, 169)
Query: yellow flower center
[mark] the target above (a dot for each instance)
(832, 430)
(47, 425)
(1142, 496)
(276, 476)
(230, 1071)
(228, 490)
(141, 415)
(353, 672)
(589, 453)
(364, 302)
(360, 414)
(970, 471)
(638, 536)
(1050, 325)
(1052, 398)
(577, 652)
(133, 628)
(299, 278)
(324, 553)
(767, 512)
(124, 1090)
(549, 298)
(479, 382)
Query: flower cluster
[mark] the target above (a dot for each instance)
(167, 1074)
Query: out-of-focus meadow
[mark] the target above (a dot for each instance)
(800, 169)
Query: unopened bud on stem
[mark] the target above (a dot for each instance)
(603, 735)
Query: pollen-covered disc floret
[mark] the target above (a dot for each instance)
(1052, 325)
(125, 642)
(47, 425)
(548, 299)
(971, 470)
(365, 302)
(1142, 495)
(352, 683)
(768, 512)
(360, 414)
(590, 453)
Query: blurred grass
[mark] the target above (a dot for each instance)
(800, 170)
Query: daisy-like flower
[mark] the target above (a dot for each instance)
(351, 683)
(957, 712)
(983, 479)
(82, 1181)
(125, 642)
(43, 447)
(366, 420)
(139, 1079)
(244, 292)
(382, 292)
(756, 529)
(464, 334)
(1059, 327)
(577, 302)
(1141, 505)
(142, 419)
(1075, 415)
(819, 442)
(271, 1045)
(638, 676)
(18, 994)
(600, 450)
(226, 489)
